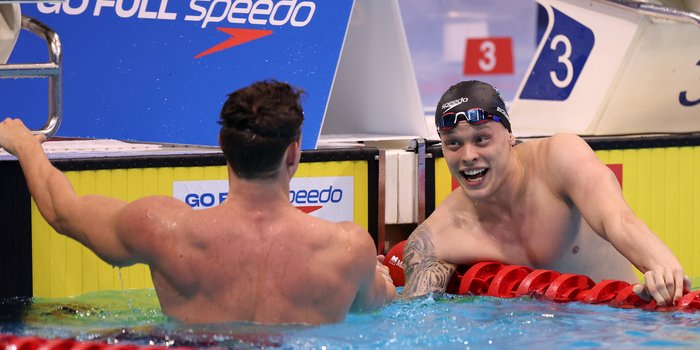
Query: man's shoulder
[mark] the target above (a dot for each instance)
(556, 142)
(322, 223)
(561, 149)
(564, 143)
(350, 228)
(456, 203)
(356, 234)
(347, 225)
(567, 150)
(159, 203)
(150, 219)
(156, 208)
(333, 231)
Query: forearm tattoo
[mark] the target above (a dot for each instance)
(423, 272)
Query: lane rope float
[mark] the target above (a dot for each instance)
(495, 279)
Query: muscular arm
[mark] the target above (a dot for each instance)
(594, 190)
(375, 288)
(423, 272)
(91, 220)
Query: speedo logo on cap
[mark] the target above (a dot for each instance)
(449, 105)
(505, 114)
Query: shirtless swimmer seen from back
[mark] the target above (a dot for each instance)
(255, 257)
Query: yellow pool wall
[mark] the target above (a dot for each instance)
(62, 267)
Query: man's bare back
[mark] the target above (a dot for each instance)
(271, 264)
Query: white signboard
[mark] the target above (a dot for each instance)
(329, 197)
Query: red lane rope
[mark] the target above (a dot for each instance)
(510, 281)
(11, 342)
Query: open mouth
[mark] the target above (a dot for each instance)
(475, 175)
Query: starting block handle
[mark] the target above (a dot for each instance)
(51, 70)
(655, 10)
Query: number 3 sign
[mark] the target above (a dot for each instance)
(561, 60)
(489, 56)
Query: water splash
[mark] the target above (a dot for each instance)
(121, 284)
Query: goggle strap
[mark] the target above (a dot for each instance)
(482, 116)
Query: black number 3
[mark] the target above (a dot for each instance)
(683, 97)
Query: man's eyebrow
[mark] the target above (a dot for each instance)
(482, 125)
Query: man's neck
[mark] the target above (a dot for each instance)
(258, 192)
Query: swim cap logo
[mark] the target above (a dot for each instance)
(449, 105)
(505, 114)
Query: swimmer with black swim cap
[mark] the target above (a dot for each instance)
(548, 203)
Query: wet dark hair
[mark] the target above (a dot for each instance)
(258, 123)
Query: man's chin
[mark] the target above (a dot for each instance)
(474, 192)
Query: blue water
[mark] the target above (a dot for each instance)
(446, 323)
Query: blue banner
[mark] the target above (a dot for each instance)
(159, 70)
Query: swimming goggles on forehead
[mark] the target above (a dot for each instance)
(473, 116)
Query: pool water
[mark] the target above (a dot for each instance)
(452, 322)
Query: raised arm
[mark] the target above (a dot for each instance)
(94, 221)
(376, 287)
(596, 193)
(423, 272)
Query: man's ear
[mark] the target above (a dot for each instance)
(293, 157)
(512, 139)
(292, 151)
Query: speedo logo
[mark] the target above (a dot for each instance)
(313, 199)
(505, 114)
(453, 103)
(238, 12)
(260, 12)
(316, 196)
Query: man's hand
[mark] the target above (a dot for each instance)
(384, 272)
(664, 285)
(13, 132)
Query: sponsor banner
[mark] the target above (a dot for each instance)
(201, 194)
(160, 70)
(330, 198)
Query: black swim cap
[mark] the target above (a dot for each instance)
(473, 94)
